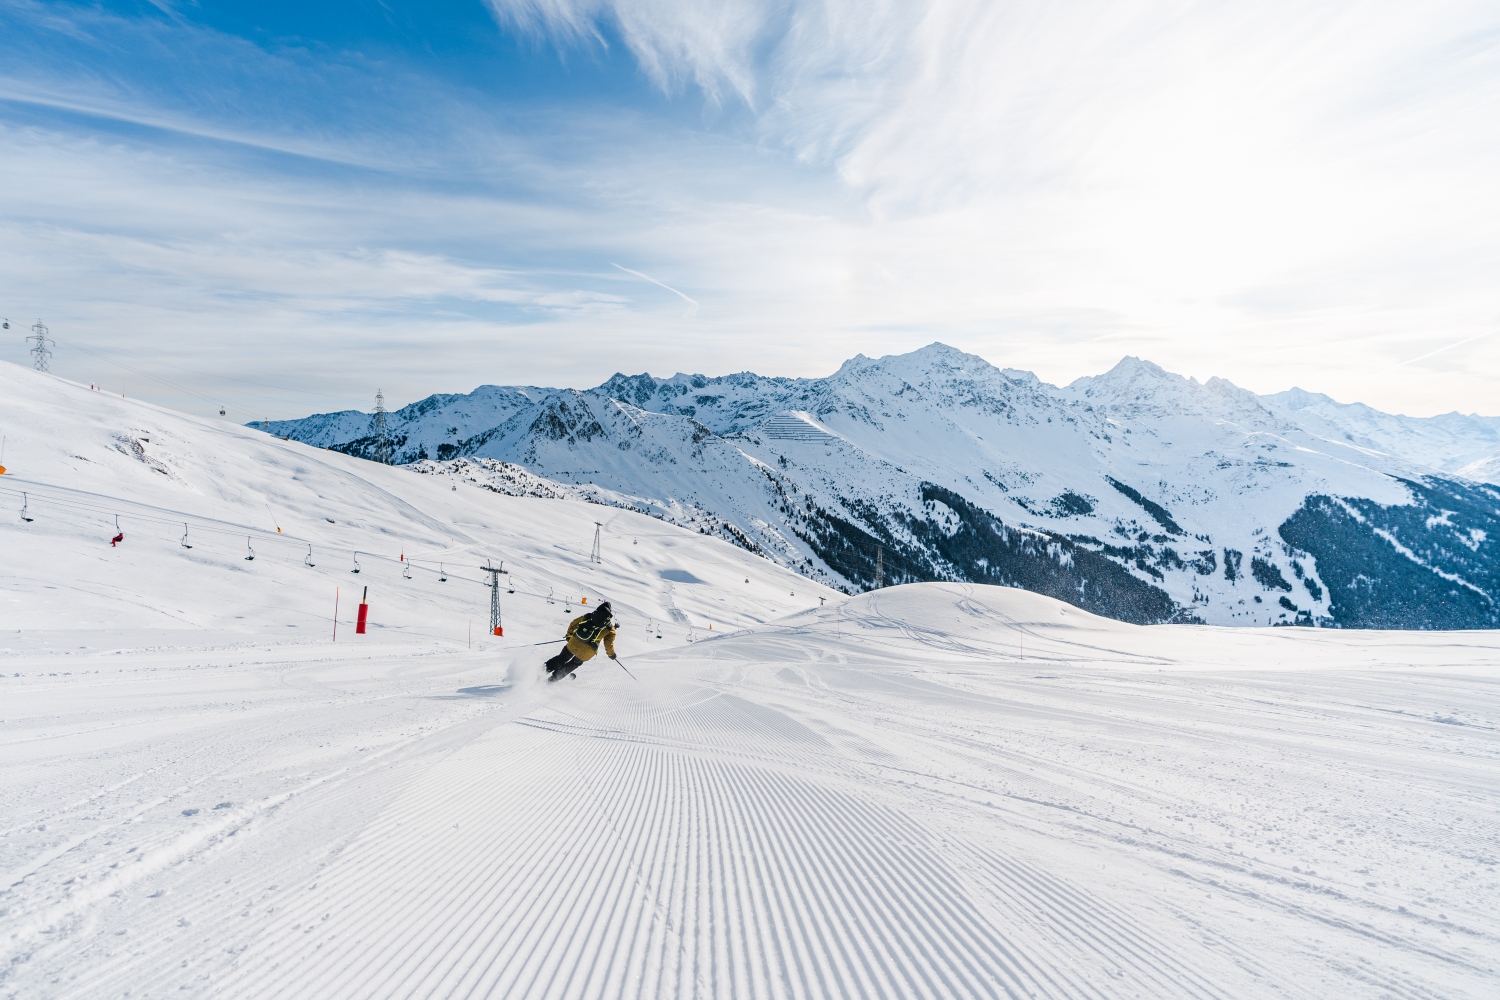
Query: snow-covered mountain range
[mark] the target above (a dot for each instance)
(1137, 494)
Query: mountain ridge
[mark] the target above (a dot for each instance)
(1137, 493)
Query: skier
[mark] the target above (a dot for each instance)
(585, 633)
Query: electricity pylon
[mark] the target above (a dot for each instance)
(40, 355)
(378, 430)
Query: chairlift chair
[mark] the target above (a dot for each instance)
(405, 570)
(442, 575)
(356, 563)
(24, 504)
(185, 543)
(249, 552)
(308, 561)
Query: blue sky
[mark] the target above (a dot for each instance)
(279, 207)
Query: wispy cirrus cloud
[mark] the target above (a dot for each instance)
(1243, 187)
(1249, 192)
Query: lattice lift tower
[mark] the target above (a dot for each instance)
(496, 628)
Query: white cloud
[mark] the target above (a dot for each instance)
(1284, 192)
(1242, 185)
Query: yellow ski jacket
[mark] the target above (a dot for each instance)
(584, 649)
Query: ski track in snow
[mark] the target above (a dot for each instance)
(841, 804)
(936, 790)
(780, 813)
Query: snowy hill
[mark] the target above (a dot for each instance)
(1137, 494)
(195, 497)
(931, 790)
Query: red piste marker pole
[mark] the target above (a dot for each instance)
(364, 612)
(335, 614)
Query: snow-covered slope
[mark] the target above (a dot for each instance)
(932, 790)
(1449, 442)
(1138, 494)
(195, 497)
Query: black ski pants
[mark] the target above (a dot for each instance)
(563, 661)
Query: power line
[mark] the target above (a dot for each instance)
(262, 385)
(145, 374)
(193, 392)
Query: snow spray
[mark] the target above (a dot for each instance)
(364, 612)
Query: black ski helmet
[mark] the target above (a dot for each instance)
(603, 611)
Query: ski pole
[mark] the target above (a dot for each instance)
(626, 669)
(548, 642)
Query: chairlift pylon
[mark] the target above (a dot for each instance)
(249, 552)
(185, 543)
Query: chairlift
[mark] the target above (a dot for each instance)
(308, 561)
(24, 504)
(119, 535)
(406, 570)
(249, 552)
(549, 596)
(5, 326)
(356, 563)
(221, 410)
(442, 575)
(185, 543)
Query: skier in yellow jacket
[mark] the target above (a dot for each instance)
(585, 634)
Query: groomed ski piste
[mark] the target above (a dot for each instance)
(934, 790)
